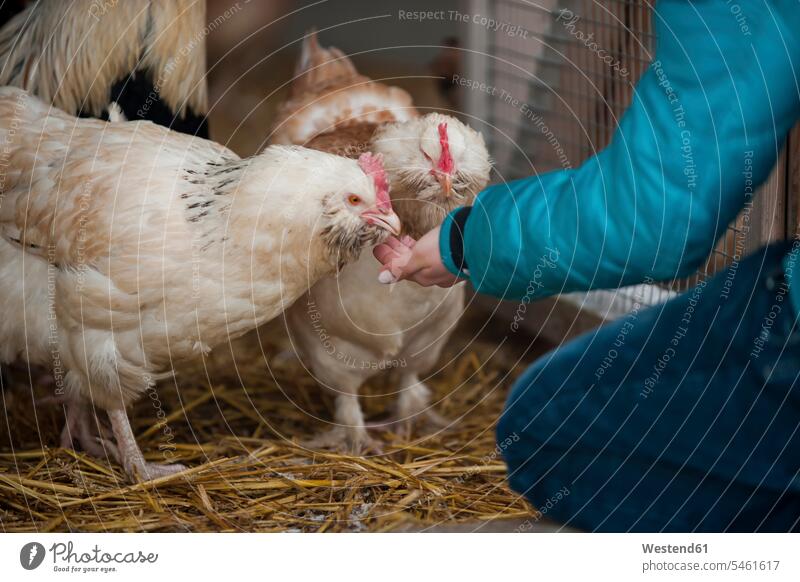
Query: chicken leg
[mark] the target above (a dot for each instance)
(413, 406)
(83, 427)
(351, 433)
(128, 453)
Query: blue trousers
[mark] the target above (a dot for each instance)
(681, 417)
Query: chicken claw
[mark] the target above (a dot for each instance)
(349, 440)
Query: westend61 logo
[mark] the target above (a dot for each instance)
(66, 559)
(31, 555)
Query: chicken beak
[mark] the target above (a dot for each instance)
(446, 182)
(386, 220)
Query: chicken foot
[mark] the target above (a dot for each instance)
(351, 434)
(129, 455)
(82, 426)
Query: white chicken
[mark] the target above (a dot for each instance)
(435, 163)
(138, 59)
(127, 246)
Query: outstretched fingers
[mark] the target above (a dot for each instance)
(396, 257)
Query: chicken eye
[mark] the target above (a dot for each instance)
(353, 200)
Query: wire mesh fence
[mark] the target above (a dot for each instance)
(561, 89)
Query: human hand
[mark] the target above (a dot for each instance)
(418, 261)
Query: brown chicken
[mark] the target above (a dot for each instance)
(435, 163)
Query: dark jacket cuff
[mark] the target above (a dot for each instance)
(451, 241)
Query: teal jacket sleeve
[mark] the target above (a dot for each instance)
(704, 128)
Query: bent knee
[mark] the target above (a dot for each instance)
(537, 400)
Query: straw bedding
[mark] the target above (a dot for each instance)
(235, 420)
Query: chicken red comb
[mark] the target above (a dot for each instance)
(445, 160)
(372, 166)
